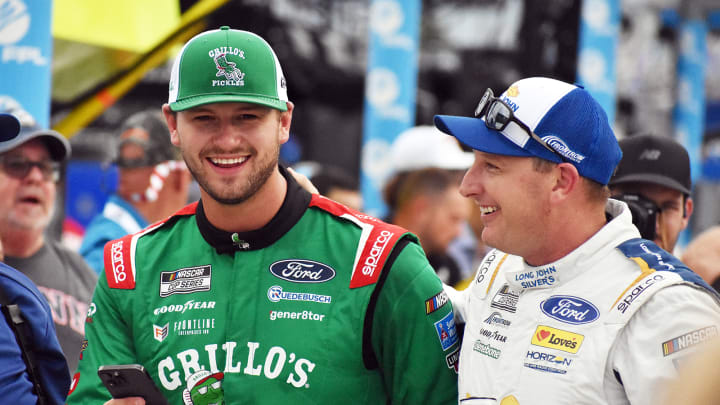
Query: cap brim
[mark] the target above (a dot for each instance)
(650, 178)
(473, 133)
(9, 127)
(57, 145)
(196, 101)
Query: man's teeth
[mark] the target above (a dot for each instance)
(488, 210)
(233, 161)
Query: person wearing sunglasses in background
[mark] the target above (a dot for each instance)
(29, 174)
(32, 366)
(153, 183)
(571, 306)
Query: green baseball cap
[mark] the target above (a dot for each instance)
(227, 66)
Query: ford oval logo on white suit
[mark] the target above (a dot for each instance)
(569, 309)
(302, 271)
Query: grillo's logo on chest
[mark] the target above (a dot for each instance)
(302, 271)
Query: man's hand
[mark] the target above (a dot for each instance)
(304, 181)
(126, 401)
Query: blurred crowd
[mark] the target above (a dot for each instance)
(54, 283)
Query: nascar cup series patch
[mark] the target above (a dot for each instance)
(185, 281)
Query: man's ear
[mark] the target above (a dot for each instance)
(565, 182)
(687, 210)
(285, 121)
(171, 120)
(419, 206)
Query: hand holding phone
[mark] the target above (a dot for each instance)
(131, 380)
(126, 401)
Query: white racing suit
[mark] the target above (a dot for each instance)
(609, 323)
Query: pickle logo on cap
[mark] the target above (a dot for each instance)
(227, 66)
(233, 75)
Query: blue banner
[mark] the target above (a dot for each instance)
(25, 57)
(597, 45)
(689, 113)
(390, 89)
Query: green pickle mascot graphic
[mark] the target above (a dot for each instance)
(204, 388)
(228, 69)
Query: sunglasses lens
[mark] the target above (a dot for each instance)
(498, 116)
(19, 168)
(483, 103)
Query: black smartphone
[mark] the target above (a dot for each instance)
(131, 380)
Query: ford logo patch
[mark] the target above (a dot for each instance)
(302, 271)
(569, 309)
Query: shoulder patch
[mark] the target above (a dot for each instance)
(376, 240)
(659, 269)
(119, 271)
(119, 254)
(647, 253)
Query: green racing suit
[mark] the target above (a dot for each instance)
(322, 305)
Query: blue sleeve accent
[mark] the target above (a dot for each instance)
(660, 260)
(100, 231)
(52, 367)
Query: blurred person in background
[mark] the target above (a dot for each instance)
(34, 371)
(653, 178)
(333, 182)
(153, 184)
(469, 249)
(422, 194)
(30, 167)
(702, 255)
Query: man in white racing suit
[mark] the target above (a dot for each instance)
(572, 307)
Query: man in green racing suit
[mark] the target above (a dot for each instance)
(262, 293)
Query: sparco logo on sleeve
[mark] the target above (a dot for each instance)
(302, 271)
(118, 264)
(185, 281)
(377, 249)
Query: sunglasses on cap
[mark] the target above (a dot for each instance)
(19, 167)
(498, 115)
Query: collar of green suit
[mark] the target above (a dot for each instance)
(296, 202)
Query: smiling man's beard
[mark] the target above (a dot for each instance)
(254, 182)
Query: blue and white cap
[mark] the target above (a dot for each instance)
(563, 115)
